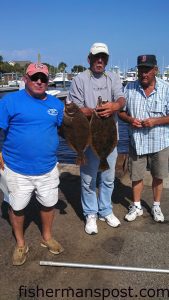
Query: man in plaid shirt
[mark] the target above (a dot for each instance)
(147, 112)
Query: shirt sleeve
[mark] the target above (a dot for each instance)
(60, 113)
(2, 138)
(126, 96)
(76, 93)
(117, 88)
(4, 115)
(167, 97)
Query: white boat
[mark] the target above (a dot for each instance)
(53, 92)
(14, 83)
(131, 76)
(61, 80)
(116, 69)
(165, 75)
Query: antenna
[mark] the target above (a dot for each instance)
(39, 58)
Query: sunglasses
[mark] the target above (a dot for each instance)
(43, 78)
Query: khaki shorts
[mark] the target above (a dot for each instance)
(21, 187)
(157, 163)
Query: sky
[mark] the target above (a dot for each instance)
(64, 31)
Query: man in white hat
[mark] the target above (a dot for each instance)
(85, 90)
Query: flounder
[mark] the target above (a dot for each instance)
(76, 130)
(103, 133)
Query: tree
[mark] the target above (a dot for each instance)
(77, 69)
(52, 70)
(1, 58)
(62, 66)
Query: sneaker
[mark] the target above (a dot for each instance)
(19, 255)
(91, 225)
(133, 213)
(157, 213)
(111, 220)
(52, 245)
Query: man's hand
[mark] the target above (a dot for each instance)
(136, 122)
(107, 109)
(87, 111)
(1, 161)
(150, 122)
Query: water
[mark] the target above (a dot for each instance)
(68, 156)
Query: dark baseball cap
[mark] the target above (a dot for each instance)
(147, 60)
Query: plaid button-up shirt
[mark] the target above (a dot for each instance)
(138, 105)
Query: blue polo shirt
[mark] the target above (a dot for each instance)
(30, 125)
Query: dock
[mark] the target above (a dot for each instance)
(4, 89)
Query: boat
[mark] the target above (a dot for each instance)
(116, 69)
(61, 80)
(131, 76)
(14, 83)
(53, 92)
(165, 75)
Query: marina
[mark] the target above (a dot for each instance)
(62, 80)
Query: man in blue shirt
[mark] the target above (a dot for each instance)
(147, 112)
(29, 119)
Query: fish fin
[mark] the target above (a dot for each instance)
(103, 166)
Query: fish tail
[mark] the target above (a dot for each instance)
(103, 166)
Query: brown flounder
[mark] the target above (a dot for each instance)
(76, 130)
(103, 133)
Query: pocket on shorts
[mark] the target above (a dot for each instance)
(3, 183)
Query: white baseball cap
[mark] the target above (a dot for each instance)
(99, 48)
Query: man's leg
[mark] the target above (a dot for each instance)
(20, 191)
(47, 218)
(157, 187)
(17, 221)
(137, 188)
(47, 195)
(137, 168)
(106, 187)
(88, 174)
(159, 171)
(135, 210)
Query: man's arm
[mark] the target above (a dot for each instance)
(151, 122)
(125, 117)
(2, 137)
(132, 121)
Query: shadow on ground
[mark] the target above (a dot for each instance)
(70, 187)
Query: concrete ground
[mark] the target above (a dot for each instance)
(142, 243)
